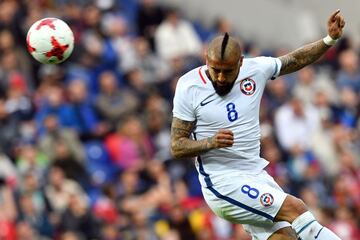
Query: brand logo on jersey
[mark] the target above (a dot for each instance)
(247, 86)
(204, 102)
(266, 199)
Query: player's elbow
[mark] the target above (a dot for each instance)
(175, 150)
(174, 153)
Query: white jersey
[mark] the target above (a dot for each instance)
(196, 100)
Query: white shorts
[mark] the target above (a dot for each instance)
(251, 200)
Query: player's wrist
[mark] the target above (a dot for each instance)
(329, 41)
(210, 143)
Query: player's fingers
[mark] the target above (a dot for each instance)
(226, 131)
(226, 140)
(341, 23)
(226, 143)
(226, 136)
(333, 16)
(338, 21)
(222, 139)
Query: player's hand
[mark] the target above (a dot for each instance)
(223, 138)
(336, 24)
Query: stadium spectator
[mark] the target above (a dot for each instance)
(84, 119)
(130, 146)
(176, 38)
(55, 134)
(150, 15)
(60, 189)
(158, 122)
(114, 103)
(349, 73)
(78, 218)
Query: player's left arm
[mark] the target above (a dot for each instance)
(309, 53)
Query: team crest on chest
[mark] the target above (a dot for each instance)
(247, 86)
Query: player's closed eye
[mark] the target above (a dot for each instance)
(217, 71)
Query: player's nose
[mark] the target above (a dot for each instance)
(221, 77)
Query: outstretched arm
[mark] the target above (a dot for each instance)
(309, 53)
(182, 146)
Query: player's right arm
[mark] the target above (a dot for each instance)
(182, 146)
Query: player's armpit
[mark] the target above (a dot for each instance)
(302, 57)
(181, 144)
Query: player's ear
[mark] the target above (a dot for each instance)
(241, 60)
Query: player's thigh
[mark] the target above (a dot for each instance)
(286, 233)
(246, 199)
(276, 230)
(291, 209)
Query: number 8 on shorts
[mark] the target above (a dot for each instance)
(251, 192)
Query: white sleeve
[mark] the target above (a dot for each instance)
(271, 67)
(183, 108)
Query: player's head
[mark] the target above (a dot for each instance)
(224, 60)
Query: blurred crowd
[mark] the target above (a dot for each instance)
(84, 146)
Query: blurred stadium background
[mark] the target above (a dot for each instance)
(85, 145)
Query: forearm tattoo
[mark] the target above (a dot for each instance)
(181, 144)
(303, 56)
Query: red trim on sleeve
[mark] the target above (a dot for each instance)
(201, 76)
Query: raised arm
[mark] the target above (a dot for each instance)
(182, 146)
(309, 53)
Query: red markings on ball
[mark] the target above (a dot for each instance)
(47, 22)
(57, 50)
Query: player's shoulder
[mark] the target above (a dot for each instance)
(269, 66)
(192, 78)
(258, 61)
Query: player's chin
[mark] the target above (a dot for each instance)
(223, 90)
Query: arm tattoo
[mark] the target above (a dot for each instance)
(181, 145)
(303, 56)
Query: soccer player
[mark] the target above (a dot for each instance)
(219, 104)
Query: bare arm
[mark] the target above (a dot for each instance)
(303, 56)
(182, 146)
(309, 53)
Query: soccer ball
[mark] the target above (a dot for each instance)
(50, 41)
